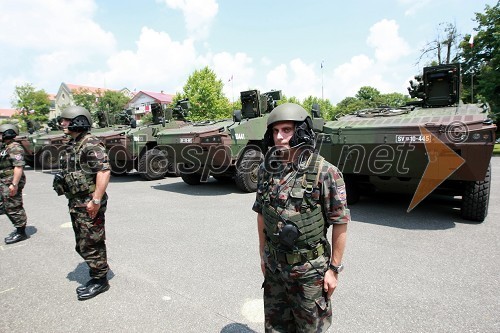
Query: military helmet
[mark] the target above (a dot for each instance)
(9, 131)
(303, 125)
(287, 112)
(80, 117)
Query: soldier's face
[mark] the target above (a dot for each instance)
(282, 133)
(64, 122)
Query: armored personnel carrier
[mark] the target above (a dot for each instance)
(225, 149)
(133, 147)
(436, 144)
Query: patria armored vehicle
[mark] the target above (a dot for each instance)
(223, 149)
(132, 147)
(436, 144)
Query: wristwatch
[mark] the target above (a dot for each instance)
(336, 269)
(96, 201)
(15, 185)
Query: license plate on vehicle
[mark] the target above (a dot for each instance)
(413, 138)
(186, 140)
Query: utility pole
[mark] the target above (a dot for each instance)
(322, 98)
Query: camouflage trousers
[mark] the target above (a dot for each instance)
(13, 206)
(90, 235)
(294, 300)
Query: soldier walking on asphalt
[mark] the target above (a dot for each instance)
(299, 195)
(12, 181)
(83, 180)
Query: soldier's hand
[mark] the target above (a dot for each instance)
(12, 190)
(330, 282)
(92, 209)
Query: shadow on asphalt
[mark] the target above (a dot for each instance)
(208, 188)
(81, 274)
(236, 328)
(31, 230)
(436, 212)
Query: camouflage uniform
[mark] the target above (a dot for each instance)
(86, 153)
(294, 299)
(12, 155)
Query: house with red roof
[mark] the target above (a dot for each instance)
(7, 113)
(144, 102)
(64, 96)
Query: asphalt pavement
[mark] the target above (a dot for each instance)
(185, 259)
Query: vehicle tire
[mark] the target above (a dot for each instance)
(117, 171)
(476, 198)
(153, 165)
(247, 170)
(172, 170)
(191, 178)
(49, 158)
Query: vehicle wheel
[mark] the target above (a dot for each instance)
(247, 170)
(476, 198)
(153, 165)
(118, 171)
(172, 170)
(191, 178)
(49, 158)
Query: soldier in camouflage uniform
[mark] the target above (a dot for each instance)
(299, 195)
(12, 181)
(83, 180)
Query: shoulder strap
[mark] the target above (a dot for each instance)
(312, 172)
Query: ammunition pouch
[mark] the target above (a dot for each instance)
(74, 184)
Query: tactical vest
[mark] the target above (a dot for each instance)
(308, 219)
(77, 181)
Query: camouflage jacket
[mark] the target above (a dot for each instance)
(86, 153)
(11, 155)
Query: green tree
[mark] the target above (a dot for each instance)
(369, 95)
(349, 105)
(207, 100)
(481, 61)
(87, 99)
(112, 103)
(394, 99)
(33, 105)
(326, 108)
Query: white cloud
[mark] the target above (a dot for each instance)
(414, 6)
(158, 63)
(295, 79)
(198, 15)
(388, 45)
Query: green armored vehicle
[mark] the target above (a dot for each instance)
(437, 144)
(132, 147)
(224, 149)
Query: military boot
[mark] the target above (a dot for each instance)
(16, 236)
(82, 288)
(94, 288)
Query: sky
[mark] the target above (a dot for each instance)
(323, 48)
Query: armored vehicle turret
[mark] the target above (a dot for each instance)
(224, 149)
(436, 144)
(133, 147)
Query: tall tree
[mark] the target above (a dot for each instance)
(33, 105)
(480, 58)
(443, 48)
(206, 98)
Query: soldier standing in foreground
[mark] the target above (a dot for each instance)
(299, 195)
(83, 180)
(12, 181)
